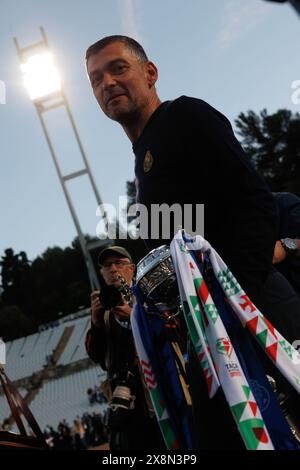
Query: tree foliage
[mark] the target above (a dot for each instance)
(272, 142)
(55, 283)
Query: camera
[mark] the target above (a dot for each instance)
(110, 297)
(121, 407)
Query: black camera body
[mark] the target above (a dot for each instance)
(110, 297)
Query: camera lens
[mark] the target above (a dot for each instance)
(122, 398)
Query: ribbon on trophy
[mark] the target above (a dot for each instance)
(229, 348)
(220, 320)
(158, 364)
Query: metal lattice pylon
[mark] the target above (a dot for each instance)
(45, 104)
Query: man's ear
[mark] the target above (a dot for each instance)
(152, 73)
(133, 267)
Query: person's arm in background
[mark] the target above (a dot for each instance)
(280, 253)
(96, 337)
(288, 205)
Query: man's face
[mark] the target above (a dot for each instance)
(114, 266)
(121, 83)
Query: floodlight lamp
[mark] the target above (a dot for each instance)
(40, 75)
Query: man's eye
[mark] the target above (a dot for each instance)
(119, 68)
(96, 81)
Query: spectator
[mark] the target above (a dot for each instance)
(79, 435)
(91, 396)
(109, 342)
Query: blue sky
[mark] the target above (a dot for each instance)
(235, 54)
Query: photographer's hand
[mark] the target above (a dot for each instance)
(122, 312)
(95, 307)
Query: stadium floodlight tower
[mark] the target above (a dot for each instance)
(45, 89)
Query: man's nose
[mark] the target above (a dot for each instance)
(108, 81)
(113, 268)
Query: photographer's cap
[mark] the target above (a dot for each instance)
(112, 250)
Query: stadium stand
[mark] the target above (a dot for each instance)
(66, 398)
(28, 355)
(52, 372)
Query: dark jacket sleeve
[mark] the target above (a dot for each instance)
(289, 212)
(96, 343)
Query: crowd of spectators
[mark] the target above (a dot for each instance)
(87, 431)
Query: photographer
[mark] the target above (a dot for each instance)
(109, 342)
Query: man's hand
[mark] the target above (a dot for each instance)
(279, 253)
(95, 307)
(122, 312)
